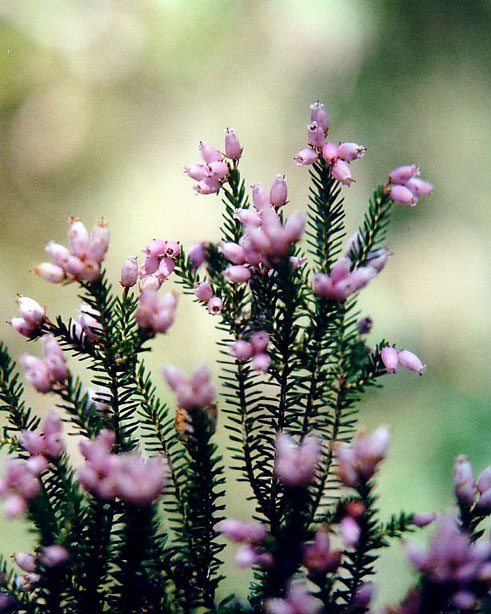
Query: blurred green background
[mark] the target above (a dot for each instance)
(103, 103)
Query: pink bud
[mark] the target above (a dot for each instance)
(410, 361)
(363, 595)
(233, 252)
(279, 192)
(55, 555)
(32, 442)
(390, 358)
(464, 481)
(245, 557)
(129, 272)
(422, 520)
(248, 216)
(22, 327)
(350, 531)
(210, 185)
(156, 247)
(99, 242)
(242, 350)
(232, 146)
(484, 481)
(350, 151)
(215, 305)
(14, 506)
(25, 561)
(209, 153)
(78, 238)
(306, 156)
(203, 291)
(260, 198)
(36, 464)
(402, 195)
(315, 135)
(402, 174)
(218, 169)
(296, 262)
(196, 171)
(74, 266)
(50, 272)
(31, 311)
(260, 340)
(58, 252)
(341, 171)
(260, 362)
(330, 152)
(91, 271)
(197, 254)
(237, 274)
(319, 114)
(419, 187)
(37, 372)
(172, 249)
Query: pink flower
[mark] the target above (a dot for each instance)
(203, 291)
(341, 282)
(197, 254)
(410, 361)
(330, 152)
(129, 272)
(402, 195)
(318, 557)
(260, 362)
(54, 555)
(279, 192)
(215, 305)
(209, 153)
(390, 358)
(341, 171)
(350, 151)
(306, 156)
(350, 531)
(156, 314)
(316, 135)
(423, 520)
(233, 149)
(241, 349)
(296, 463)
(260, 198)
(463, 476)
(233, 252)
(237, 274)
(319, 114)
(359, 462)
(239, 531)
(402, 174)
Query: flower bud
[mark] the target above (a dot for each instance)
(209, 185)
(319, 114)
(31, 311)
(402, 195)
(248, 217)
(218, 169)
(390, 358)
(55, 555)
(279, 192)
(419, 187)
(25, 561)
(129, 272)
(237, 274)
(33, 442)
(22, 327)
(410, 361)
(233, 252)
(50, 272)
(260, 341)
(203, 291)
(316, 135)
(196, 171)
(350, 531)
(233, 149)
(215, 305)
(99, 242)
(260, 362)
(306, 156)
(37, 372)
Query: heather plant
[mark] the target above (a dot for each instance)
(138, 524)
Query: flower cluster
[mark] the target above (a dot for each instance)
(254, 349)
(337, 156)
(124, 476)
(358, 463)
(404, 186)
(32, 317)
(47, 443)
(82, 261)
(47, 558)
(318, 556)
(454, 565)
(392, 358)
(296, 464)
(44, 374)
(159, 263)
(215, 170)
(251, 534)
(20, 485)
(156, 314)
(342, 282)
(466, 487)
(297, 600)
(194, 392)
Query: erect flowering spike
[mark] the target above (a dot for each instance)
(233, 149)
(319, 114)
(279, 191)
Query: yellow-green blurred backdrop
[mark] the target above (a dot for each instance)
(103, 102)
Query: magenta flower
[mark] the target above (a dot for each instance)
(296, 464)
